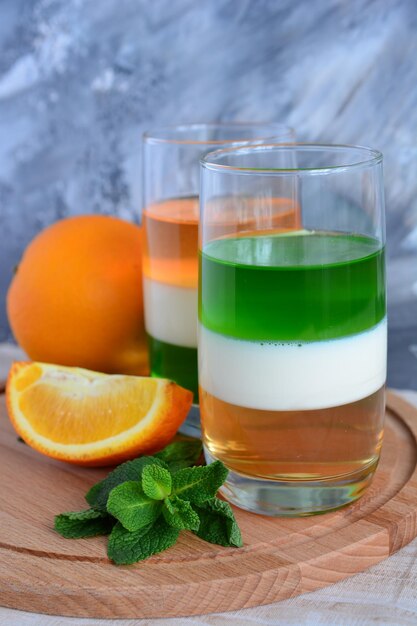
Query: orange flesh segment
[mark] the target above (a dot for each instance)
(80, 410)
(89, 418)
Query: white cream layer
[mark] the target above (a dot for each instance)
(293, 376)
(171, 313)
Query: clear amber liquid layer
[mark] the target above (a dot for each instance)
(322, 444)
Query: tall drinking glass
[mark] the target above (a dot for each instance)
(171, 180)
(292, 324)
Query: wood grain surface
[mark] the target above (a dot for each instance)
(42, 572)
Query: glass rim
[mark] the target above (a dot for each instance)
(158, 134)
(208, 161)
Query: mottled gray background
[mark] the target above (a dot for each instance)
(81, 79)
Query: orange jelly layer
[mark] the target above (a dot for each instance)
(171, 231)
(171, 242)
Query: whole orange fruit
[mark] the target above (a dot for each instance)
(76, 298)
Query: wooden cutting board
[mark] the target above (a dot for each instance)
(42, 572)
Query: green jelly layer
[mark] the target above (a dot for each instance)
(307, 286)
(174, 362)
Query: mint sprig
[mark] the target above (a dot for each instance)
(156, 482)
(80, 524)
(125, 548)
(144, 504)
(98, 495)
(198, 484)
(180, 514)
(132, 507)
(217, 523)
(180, 454)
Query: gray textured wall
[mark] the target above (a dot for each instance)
(81, 79)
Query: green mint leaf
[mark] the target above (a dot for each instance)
(181, 454)
(79, 524)
(198, 484)
(126, 547)
(156, 482)
(175, 466)
(128, 504)
(217, 523)
(180, 514)
(131, 470)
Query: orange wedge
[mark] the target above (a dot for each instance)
(88, 418)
